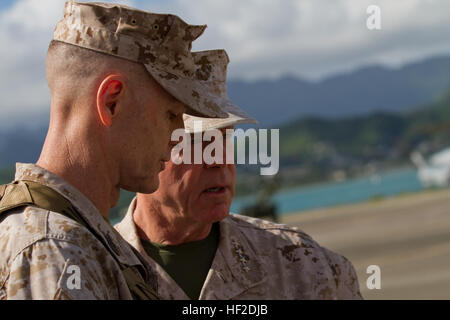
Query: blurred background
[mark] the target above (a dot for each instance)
(364, 119)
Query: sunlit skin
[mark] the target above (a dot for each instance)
(182, 210)
(112, 132)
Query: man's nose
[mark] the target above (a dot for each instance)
(178, 124)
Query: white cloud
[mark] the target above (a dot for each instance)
(25, 31)
(313, 38)
(264, 38)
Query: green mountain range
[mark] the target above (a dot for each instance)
(360, 92)
(377, 136)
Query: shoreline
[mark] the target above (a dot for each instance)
(326, 195)
(362, 204)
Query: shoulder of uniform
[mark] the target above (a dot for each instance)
(282, 232)
(55, 260)
(277, 229)
(24, 223)
(23, 227)
(282, 235)
(286, 240)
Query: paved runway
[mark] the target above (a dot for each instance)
(408, 237)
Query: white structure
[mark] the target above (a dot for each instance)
(436, 171)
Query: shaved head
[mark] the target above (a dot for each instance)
(74, 72)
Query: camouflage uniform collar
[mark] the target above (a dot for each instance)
(121, 250)
(235, 269)
(236, 265)
(127, 228)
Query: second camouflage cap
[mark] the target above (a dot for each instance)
(162, 42)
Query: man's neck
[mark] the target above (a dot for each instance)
(84, 170)
(164, 225)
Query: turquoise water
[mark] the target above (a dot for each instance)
(338, 193)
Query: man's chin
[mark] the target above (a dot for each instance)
(218, 213)
(144, 186)
(150, 187)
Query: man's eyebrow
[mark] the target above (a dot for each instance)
(179, 106)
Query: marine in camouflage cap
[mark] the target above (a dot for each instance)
(250, 258)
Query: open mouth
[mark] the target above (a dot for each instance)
(215, 190)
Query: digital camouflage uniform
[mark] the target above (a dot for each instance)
(258, 259)
(38, 248)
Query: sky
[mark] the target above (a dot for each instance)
(265, 39)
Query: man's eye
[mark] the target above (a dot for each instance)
(172, 116)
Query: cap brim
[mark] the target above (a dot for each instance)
(194, 124)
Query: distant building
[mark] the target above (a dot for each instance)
(436, 171)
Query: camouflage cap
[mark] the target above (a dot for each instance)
(205, 124)
(162, 42)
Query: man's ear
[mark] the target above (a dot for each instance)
(109, 94)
